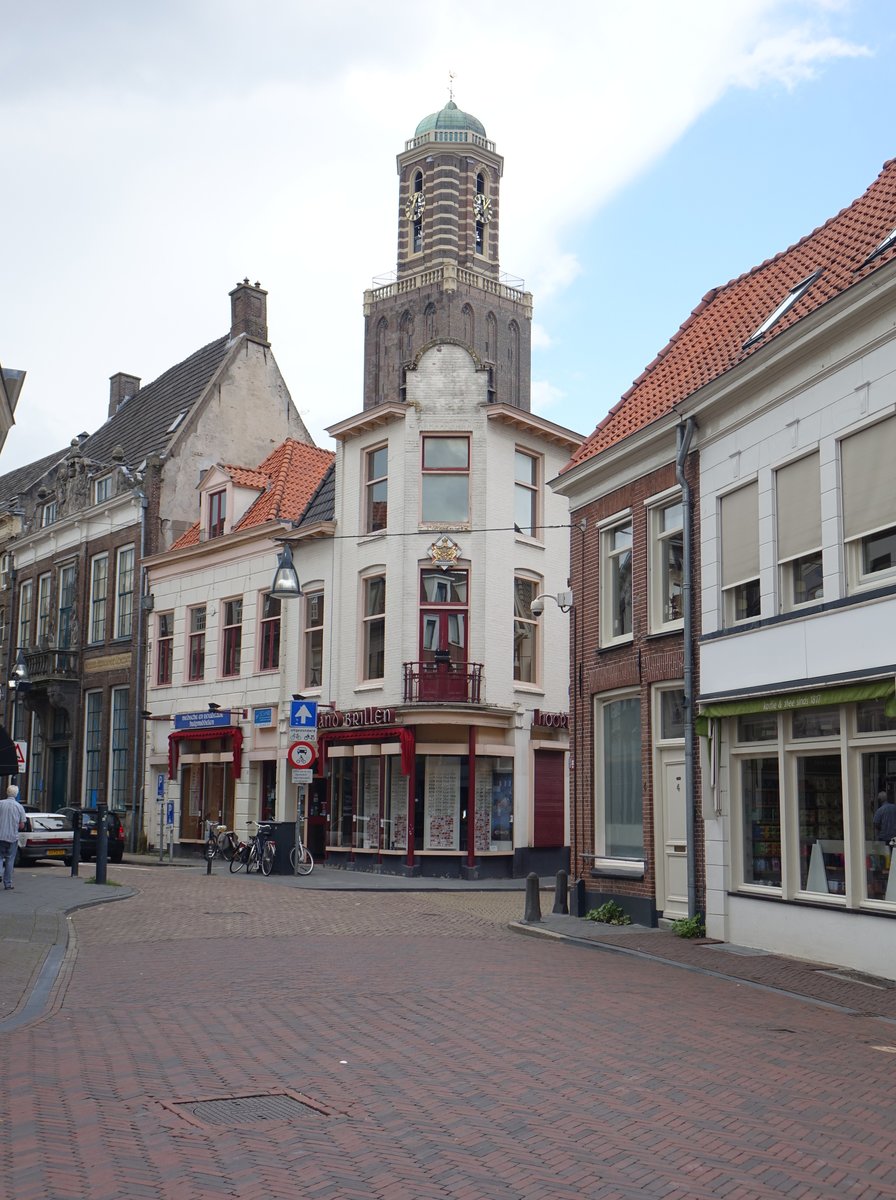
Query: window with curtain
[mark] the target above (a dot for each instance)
(314, 639)
(99, 585)
(525, 493)
(196, 644)
(374, 622)
(869, 503)
(164, 648)
(66, 609)
(740, 554)
(666, 565)
(616, 582)
(118, 761)
(43, 609)
(124, 597)
(445, 485)
(233, 636)
(525, 631)
(622, 823)
(798, 502)
(269, 637)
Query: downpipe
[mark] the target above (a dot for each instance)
(685, 436)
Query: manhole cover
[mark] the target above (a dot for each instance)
(247, 1110)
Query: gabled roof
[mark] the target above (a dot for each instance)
(322, 505)
(13, 483)
(719, 333)
(142, 425)
(290, 477)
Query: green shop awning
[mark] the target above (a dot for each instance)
(880, 689)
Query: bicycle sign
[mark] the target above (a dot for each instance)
(301, 755)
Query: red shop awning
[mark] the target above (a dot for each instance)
(405, 737)
(205, 735)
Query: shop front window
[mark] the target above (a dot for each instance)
(494, 804)
(367, 818)
(761, 814)
(342, 802)
(395, 806)
(879, 823)
(621, 828)
(820, 810)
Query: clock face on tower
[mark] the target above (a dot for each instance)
(414, 206)
(482, 207)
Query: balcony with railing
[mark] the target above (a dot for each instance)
(443, 683)
(49, 666)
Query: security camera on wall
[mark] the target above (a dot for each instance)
(536, 608)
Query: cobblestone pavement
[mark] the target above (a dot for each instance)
(231, 1036)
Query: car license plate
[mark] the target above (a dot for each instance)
(55, 854)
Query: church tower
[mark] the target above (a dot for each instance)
(448, 284)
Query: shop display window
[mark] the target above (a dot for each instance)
(761, 811)
(820, 808)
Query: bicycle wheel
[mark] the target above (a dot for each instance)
(305, 861)
(252, 859)
(267, 858)
(238, 861)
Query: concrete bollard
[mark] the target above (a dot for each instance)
(561, 894)
(533, 901)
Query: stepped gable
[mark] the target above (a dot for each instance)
(288, 479)
(712, 340)
(142, 425)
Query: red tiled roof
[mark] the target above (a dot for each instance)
(711, 341)
(289, 477)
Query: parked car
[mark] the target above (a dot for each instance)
(89, 830)
(46, 835)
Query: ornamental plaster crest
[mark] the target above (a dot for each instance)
(444, 552)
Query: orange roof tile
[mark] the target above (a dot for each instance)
(711, 341)
(287, 479)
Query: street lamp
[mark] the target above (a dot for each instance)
(286, 580)
(19, 680)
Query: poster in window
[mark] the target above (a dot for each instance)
(441, 826)
(502, 807)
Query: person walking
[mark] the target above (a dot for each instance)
(885, 819)
(12, 819)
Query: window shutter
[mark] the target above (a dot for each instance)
(740, 535)
(799, 508)
(869, 484)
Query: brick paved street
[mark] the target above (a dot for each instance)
(420, 1049)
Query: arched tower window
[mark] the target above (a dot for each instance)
(406, 343)
(491, 338)
(513, 362)
(469, 326)
(379, 366)
(429, 322)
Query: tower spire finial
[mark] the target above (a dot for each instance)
(451, 78)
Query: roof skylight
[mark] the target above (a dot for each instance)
(787, 303)
(174, 424)
(888, 242)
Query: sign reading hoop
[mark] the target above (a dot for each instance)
(550, 720)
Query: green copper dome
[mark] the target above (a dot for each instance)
(449, 118)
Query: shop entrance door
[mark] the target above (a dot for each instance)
(672, 839)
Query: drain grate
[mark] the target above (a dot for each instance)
(248, 1110)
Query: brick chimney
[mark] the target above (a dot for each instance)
(121, 387)
(249, 312)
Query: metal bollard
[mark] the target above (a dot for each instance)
(561, 894)
(533, 900)
(76, 841)
(102, 843)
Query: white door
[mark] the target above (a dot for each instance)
(673, 841)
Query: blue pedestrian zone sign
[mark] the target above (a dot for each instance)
(303, 714)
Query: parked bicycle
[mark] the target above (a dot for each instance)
(258, 853)
(300, 859)
(221, 841)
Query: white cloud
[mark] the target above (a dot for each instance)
(545, 395)
(158, 153)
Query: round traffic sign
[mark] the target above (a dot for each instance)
(301, 754)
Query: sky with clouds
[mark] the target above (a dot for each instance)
(154, 154)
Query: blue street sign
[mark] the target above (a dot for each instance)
(202, 720)
(262, 717)
(303, 714)
(169, 813)
(160, 786)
